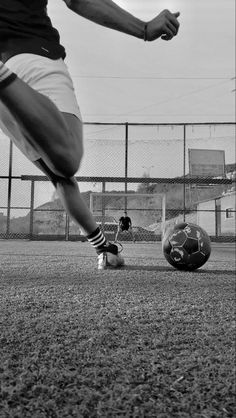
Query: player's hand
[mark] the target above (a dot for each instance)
(165, 25)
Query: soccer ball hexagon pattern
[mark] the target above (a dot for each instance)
(186, 246)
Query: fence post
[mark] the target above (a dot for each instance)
(126, 160)
(184, 175)
(31, 230)
(67, 227)
(103, 204)
(9, 189)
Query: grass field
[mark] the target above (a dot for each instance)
(143, 341)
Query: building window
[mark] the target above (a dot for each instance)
(229, 212)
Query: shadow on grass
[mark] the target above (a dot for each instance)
(146, 268)
(171, 269)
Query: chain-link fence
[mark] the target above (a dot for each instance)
(193, 165)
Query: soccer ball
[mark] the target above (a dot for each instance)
(114, 260)
(186, 246)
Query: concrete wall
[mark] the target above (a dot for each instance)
(218, 223)
(228, 224)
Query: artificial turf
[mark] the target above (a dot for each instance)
(143, 341)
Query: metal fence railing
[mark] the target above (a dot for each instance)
(135, 159)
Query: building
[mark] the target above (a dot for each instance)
(217, 216)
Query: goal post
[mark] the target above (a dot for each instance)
(146, 210)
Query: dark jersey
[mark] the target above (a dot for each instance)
(125, 223)
(26, 27)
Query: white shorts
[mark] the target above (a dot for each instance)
(48, 77)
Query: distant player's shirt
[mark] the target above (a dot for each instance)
(26, 28)
(125, 223)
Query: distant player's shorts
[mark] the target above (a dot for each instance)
(124, 228)
(48, 77)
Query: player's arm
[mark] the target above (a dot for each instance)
(109, 14)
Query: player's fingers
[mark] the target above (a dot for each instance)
(177, 14)
(172, 28)
(166, 38)
(174, 22)
(167, 35)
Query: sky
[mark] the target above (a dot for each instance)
(119, 78)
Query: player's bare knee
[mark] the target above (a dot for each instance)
(67, 166)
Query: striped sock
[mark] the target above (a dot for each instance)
(6, 76)
(97, 239)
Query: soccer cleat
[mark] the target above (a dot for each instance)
(108, 247)
(109, 257)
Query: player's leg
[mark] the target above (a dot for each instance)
(70, 196)
(67, 187)
(117, 233)
(41, 121)
(132, 234)
(52, 140)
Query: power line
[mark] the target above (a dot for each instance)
(133, 112)
(148, 77)
(159, 114)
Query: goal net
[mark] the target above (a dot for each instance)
(146, 211)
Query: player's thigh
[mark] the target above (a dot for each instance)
(74, 140)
